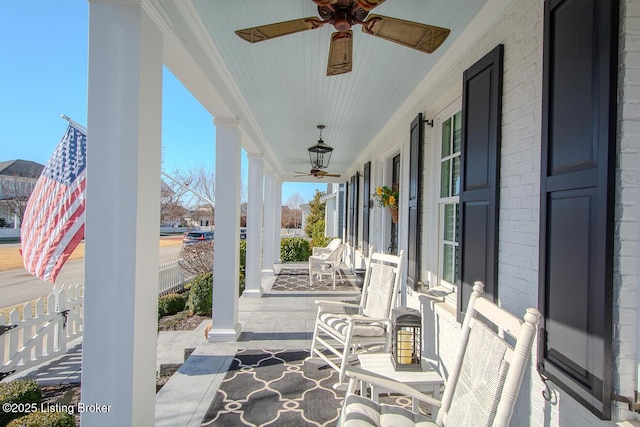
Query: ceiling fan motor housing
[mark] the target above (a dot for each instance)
(342, 16)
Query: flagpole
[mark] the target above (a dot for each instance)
(189, 189)
(74, 124)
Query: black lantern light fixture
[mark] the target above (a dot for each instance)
(406, 326)
(320, 154)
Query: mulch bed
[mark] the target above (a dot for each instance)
(175, 323)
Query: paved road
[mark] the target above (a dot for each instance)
(17, 286)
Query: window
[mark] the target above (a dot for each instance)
(449, 200)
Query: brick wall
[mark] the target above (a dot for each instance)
(520, 29)
(627, 211)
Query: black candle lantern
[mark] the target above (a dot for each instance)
(406, 345)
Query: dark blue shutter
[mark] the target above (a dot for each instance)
(479, 176)
(415, 188)
(366, 197)
(577, 198)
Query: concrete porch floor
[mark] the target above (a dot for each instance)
(275, 321)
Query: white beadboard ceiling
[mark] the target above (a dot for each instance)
(283, 81)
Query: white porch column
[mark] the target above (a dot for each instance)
(277, 220)
(122, 215)
(226, 243)
(253, 278)
(268, 256)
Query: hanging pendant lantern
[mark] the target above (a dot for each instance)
(320, 154)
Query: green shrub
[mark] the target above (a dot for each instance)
(170, 304)
(200, 295)
(294, 249)
(318, 238)
(18, 391)
(243, 256)
(44, 419)
(320, 241)
(243, 265)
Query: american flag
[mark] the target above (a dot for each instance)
(53, 222)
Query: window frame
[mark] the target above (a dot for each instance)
(441, 202)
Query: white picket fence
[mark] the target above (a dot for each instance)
(43, 332)
(46, 328)
(172, 278)
(9, 233)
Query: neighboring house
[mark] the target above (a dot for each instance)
(334, 210)
(200, 216)
(305, 213)
(17, 180)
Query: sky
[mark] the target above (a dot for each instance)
(43, 46)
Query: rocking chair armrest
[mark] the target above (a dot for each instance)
(391, 385)
(323, 302)
(360, 319)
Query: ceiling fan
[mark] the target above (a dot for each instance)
(318, 173)
(343, 14)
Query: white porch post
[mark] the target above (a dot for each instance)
(226, 243)
(254, 226)
(122, 215)
(278, 220)
(268, 257)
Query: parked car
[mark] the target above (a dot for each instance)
(196, 236)
(243, 233)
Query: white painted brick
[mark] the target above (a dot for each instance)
(520, 29)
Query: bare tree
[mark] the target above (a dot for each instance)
(196, 188)
(197, 258)
(171, 208)
(293, 203)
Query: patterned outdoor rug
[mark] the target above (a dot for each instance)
(290, 279)
(276, 388)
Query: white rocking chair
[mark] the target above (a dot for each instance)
(483, 383)
(341, 333)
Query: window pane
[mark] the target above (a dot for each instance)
(446, 138)
(455, 177)
(447, 263)
(445, 171)
(448, 222)
(457, 132)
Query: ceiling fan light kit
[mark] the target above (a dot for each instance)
(343, 14)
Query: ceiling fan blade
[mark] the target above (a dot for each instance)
(422, 37)
(322, 173)
(368, 4)
(270, 31)
(340, 53)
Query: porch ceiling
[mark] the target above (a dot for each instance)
(279, 89)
